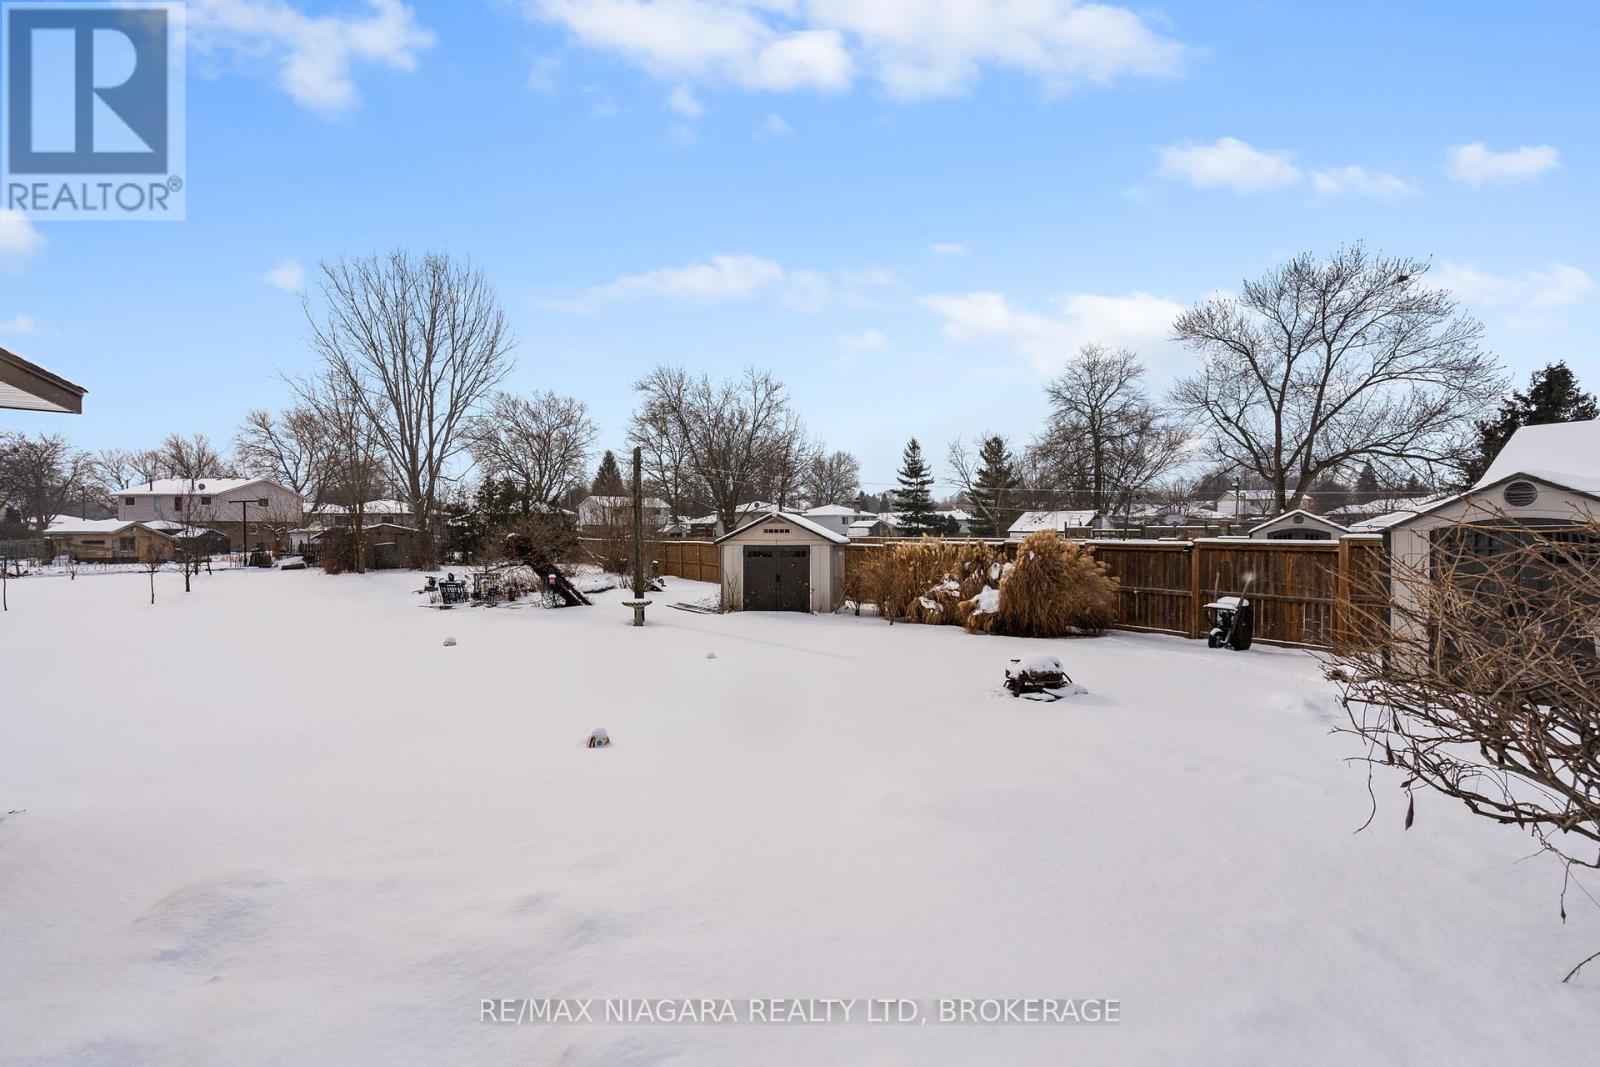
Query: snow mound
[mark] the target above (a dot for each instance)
(449, 642)
(598, 738)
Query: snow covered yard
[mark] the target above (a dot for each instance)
(277, 821)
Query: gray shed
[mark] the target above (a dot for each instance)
(782, 562)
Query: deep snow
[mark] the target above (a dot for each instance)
(276, 821)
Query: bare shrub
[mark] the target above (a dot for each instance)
(1055, 588)
(1487, 688)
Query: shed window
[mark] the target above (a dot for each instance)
(261, 503)
(128, 500)
(125, 544)
(205, 500)
(177, 501)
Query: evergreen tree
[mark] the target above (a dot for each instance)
(608, 479)
(1553, 396)
(994, 489)
(1367, 488)
(914, 499)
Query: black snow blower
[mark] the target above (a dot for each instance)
(1231, 623)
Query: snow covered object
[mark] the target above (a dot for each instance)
(1232, 622)
(1036, 674)
(598, 738)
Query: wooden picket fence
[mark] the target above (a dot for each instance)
(1319, 594)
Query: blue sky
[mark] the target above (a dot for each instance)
(910, 211)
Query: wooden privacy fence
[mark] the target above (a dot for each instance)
(1324, 594)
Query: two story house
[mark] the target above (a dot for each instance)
(250, 512)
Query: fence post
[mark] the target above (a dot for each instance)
(1196, 613)
(1341, 598)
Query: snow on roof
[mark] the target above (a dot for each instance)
(387, 507)
(1033, 521)
(61, 525)
(183, 486)
(1563, 453)
(793, 519)
(866, 524)
(1379, 523)
(832, 509)
(1322, 519)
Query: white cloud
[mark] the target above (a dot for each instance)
(774, 125)
(16, 324)
(1139, 321)
(865, 341)
(735, 278)
(912, 50)
(1359, 181)
(1228, 163)
(314, 54)
(684, 102)
(288, 275)
(19, 240)
(1478, 164)
(948, 248)
(1523, 296)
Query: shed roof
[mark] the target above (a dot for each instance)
(793, 519)
(1320, 520)
(1562, 453)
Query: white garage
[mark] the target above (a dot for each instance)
(782, 562)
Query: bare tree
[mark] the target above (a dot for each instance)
(541, 442)
(353, 455)
(1105, 438)
(664, 454)
(734, 434)
(832, 478)
(40, 475)
(1320, 365)
(290, 449)
(418, 344)
(1485, 684)
(193, 458)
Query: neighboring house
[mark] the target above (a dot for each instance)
(109, 540)
(962, 520)
(1237, 502)
(837, 517)
(249, 512)
(1298, 525)
(373, 512)
(873, 527)
(1030, 522)
(709, 526)
(596, 512)
(1546, 478)
(26, 386)
(386, 545)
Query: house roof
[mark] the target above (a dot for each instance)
(1034, 521)
(832, 509)
(1320, 520)
(190, 486)
(1379, 523)
(382, 507)
(793, 519)
(1563, 453)
(66, 526)
(27, 386)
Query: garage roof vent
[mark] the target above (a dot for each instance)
(1520, 494)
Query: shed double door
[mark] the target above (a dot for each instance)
(777, 578)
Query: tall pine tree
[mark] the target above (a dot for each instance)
(1553, 396)
(608, 479)
(994, 489)
(914, 499)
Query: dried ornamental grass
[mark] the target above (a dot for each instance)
(1055, 588)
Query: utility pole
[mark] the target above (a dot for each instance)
(639, 603)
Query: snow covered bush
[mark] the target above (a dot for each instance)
(922, 581)
(1054, 588)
